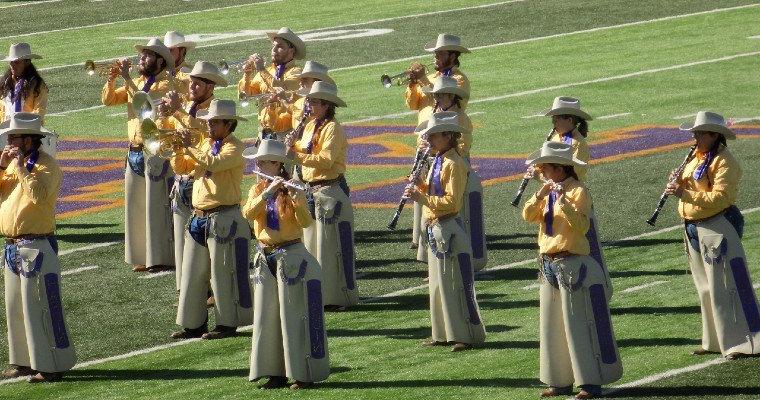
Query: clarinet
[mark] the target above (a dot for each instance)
(296, 134)
(525, 181)
(420, 159)
(664, 197)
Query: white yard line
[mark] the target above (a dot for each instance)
(533, 116)
(612, 116)
(88, 247)
(667, 374)
(685, 116)
(532, 286)
(74, 28)
(558, 35)
(642, 287)
(78, 270)
(31, 3)
(67, 112)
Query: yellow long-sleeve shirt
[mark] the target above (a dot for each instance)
(295, 217)
(465, 142)
(327, 160)
(27, 199)
(34, 103)
(416, 99)
(217, 178)
(191, 122)
(570, 222)
(182, 78)
(453, 182)
(112, 96)
(717, 189)
(270, 115)
(581, 151)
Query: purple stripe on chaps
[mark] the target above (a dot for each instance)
(603, 323)
(476, 225)
(347, 252)
(53, 243)
(468, 284)
(55, 307)
(316, 318)
(336, 214)
(746, 294)
(241, 272)
(593, 241)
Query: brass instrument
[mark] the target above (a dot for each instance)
(161, 142)
(145, 106)
(399, 79)
(225, 67)
(101, 68)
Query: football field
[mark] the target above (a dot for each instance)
(640, 68)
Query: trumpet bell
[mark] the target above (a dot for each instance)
(144, 105)
(224, 67)
(386, 81)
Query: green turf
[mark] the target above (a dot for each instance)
(374, 348)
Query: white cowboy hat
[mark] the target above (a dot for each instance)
(24, 123)
(325, 91)
(157, 46)
(20, 51)
(269, 150)
(445, 121)
(207, 70)
(447, 84)
(176, 39)
(554, 153)
(447, 42)
(288, 35)
(220, 109)
(315, 70)
(564, 105)
(709, 122)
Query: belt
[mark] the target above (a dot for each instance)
(29, 237)
(270, 248)
(696, 221)
(136, 147)
(442, 218)
(325, 182)
(557, 255)
(206, 213)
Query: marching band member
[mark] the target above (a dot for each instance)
(447, 50)
(217, 238)
(707, 189)
(30, 181)
(146, 202)
(577, 343)
(448, 96)
(454, 312)
(298, 113)
(289, 338)
(570, 126)
(22, 88)
(321, 152)
(202, 81)
(179, 47)
(279, 81)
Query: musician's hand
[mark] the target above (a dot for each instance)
(548, 185)
(19, 156)
(530, 172)
(273, 187)
(416, 72)
(411, 192)
(184, 137)
(674, 189)
(114, 71)
(173, 101)
(6, 156)
(124, 65)
(296, 194)
(257, 61)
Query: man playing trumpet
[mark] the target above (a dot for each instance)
(202, 81)
(447, 50)
(146, 201)
(277, 83)
(179, 47)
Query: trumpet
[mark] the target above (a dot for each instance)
(399, 79)
(161, 142)
(225, 67)
(145, 106)
(102, 68)
(295, 186)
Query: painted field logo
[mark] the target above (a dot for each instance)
(94, 169)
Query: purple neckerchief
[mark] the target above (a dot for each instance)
(215, 148)
(32, 161)
(193, 109)
(16, 95)
(700, 171)
(549, 214)
(567, 137)
(317, 127)
(434, 184)
(447, 71)
(279, 71)
(306, 108)
(273, 221)
(149, 83)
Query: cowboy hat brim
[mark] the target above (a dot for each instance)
(30, 56)
(537, 158)
(293, 39)
(450, 90)
(204, 115)
(4, 131)
(251, 153)
(186, 44)
(447, 47)
(327, 97)
(456, 128)
(726, 132)
(217, 79)
(568, 111)
(316, 75)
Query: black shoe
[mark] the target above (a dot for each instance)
(275, 382)
(190, 333)
(220, 332)
(41, 377)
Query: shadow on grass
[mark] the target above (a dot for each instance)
(152, 374)
(95, 237)
(364, 265)
(420, 332)
(83, 226)
(421, 302)
(665, 272)
(691, 391)
(654, 342)
(422, 383)
(640, 242)
(383, 236)
(655, 310)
